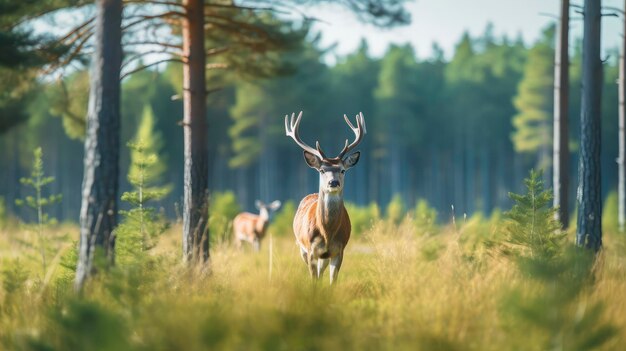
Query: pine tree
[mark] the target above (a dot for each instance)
(534, 103)
(37, 181)
(141, 226)
(532, 230)
(555, 277)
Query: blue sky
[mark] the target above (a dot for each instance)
(444, 21)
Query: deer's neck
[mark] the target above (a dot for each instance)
(329, 210)
(262, 222)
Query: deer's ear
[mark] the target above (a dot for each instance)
(351, 160)
(312, 160)
(275, 205)
(258, 204)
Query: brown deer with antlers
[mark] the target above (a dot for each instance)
(321, 224)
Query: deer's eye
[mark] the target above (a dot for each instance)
(343, 171)
(322, 171)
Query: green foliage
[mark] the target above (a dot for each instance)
(533, 231)
(559, 273)
(425, 217)
(609, 212)
(282, 223)
(68, 99)
(362, 218)
(14, 277)
(3, 213)
(146, 151)
(83, 325)
(141, 226)
(223, 208)
(37, 181)
(534, 103)
(395, 211)
(17, 91)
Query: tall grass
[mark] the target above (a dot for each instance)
(400, 288)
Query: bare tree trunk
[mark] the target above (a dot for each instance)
(98, 213)
(621, 160)
(589, 228)
(560, 159)
(195, 211)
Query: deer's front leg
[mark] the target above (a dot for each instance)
(312, 263)
(321, 266)
(335, 266)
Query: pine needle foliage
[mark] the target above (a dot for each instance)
(550, 302)
(142, 224)
(532, 229)
(38, 181)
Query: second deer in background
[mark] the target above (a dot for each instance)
(251, 227)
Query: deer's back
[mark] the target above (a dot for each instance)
(246, 224)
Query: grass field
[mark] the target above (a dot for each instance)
(399, 289)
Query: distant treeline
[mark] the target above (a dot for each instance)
(460, 132)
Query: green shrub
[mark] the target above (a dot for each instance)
(546, 303)
(38, 203)
(282, 222)
(395, 209)
(3, 213)
(609, 212)
(142, 224)
(425, 218)
(362, 217)
(223, 208)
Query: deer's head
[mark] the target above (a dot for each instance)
(331, 169)
(266, 209)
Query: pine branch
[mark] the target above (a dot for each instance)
(217, 51)
(172, 59)
(147, 42)
(143, 18)
(44, 13)
(149, 52)
(154, 2)
(77, 30)
(217, 66)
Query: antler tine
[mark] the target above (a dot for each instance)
(363, 123)
(319, 149)
(359, 131)
(291, 130)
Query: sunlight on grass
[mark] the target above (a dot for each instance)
(398, 290)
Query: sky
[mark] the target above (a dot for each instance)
(444, 21)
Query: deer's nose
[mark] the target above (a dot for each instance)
(333, 183)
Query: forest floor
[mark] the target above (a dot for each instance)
(450, 289)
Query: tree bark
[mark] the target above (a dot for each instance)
(195, 207)
(589, 228)
(560, 159)
(621, 160)
(98, 213)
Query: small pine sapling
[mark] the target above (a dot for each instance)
(556, 276)
(142, 224)
(532, 229)
(38, 181)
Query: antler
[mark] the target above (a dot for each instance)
(291, 130)
(359, 131)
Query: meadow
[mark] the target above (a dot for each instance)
(407, 283)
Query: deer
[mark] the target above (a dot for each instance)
(321, 224)
(251, 227)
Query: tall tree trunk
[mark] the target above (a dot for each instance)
(589, 228)
(560, 159)
(621, 160)
(195, 207)
(98, 213)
